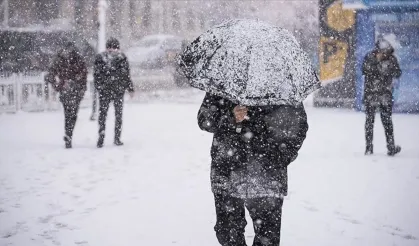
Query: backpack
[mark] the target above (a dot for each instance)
(284, 122)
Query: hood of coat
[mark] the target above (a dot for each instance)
(383, 46)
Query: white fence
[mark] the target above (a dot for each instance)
(28, 92)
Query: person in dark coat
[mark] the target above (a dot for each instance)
(380, 67)
(68, 75)
(112, 78)
(251, 150)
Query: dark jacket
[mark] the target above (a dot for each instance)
(379, 75)
(112, 73)
(252, 163)
(68, 72)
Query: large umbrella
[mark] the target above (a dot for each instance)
(250, 63)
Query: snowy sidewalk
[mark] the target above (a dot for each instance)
(155, 190)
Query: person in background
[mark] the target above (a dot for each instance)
(111, 78)
(380, 67)
(68, 76)
(251, 150)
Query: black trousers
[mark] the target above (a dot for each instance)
(71, 104)
(386, 110)
(231, 222)
(104, 102)
(94, 101)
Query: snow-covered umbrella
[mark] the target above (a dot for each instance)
(250, 63)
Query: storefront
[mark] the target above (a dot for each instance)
(395, 21)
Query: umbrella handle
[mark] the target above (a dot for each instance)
(239, 128)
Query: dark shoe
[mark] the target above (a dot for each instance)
(118, 142)
(67, 141)
(395, 150)
(100, 141)
(369, 150)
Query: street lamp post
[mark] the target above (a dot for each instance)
(5, 6)
(101, 46)
(102, 7)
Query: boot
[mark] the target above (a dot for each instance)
(67, 141)
(369, 150)
(100, 141)
(118, 142)
(93, 117)
(392, 151)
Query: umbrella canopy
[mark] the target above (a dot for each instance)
(250, 63)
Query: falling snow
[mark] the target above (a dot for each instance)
(342, 189)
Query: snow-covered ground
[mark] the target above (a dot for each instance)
(155, 190)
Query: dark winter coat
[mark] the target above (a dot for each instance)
(112, 73)
(68, 72)
(379, 76)
(252, 163)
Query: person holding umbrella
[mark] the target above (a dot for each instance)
(253, 105)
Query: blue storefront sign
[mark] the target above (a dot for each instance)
(405, 39)
(391, 3)
(362, 4)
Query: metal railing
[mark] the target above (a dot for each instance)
(28, 92)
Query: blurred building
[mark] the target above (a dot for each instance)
(133, 19)
(349, 30)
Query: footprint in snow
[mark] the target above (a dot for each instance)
(342, 214)
(311, 209)
(59, 225)
(45, 219)
(397, 231)
(88, 189)
(404, 236)
(88, 210)
(409, 237)
(347, 218)
(393, 227)
(352, 221)
(20, 226)
(81, 243)
(309, 206)
(8, 234)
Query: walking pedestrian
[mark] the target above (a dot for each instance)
(380, 67)
(256, 77)
(112, 78)
(68, 75)
(250, 156)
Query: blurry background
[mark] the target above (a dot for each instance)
(152, 33)
(133, 19)
(336, 34)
